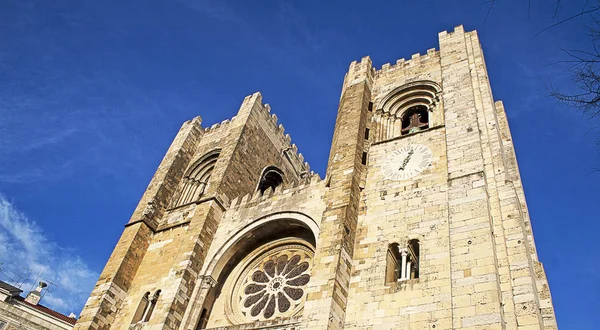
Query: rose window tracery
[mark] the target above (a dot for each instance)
(273, 284)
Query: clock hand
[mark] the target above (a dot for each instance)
(407, 159)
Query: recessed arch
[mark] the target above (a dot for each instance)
(425, 90)
(270, 178)
(275, 234)
(390, 119)
(196, 179)
(215, 265)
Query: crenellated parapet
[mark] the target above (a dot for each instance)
(219, 126)
(281, 192)
(277, 135)
(415, 60)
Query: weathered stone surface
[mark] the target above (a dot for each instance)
(464, 204)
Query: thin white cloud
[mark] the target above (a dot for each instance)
(24, 249)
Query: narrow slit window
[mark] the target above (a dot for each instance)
(370, 106)
(367, 131)
(364, 158)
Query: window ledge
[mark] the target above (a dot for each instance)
(401, 285)
(407, 135)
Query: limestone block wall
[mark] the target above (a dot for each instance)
(111, 289)
(326, 303)
(478, 262)
(262, 143)
(395, 212)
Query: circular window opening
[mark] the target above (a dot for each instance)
(271, 281)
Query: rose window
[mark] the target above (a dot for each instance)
(273, 285)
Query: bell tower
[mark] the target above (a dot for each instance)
(443, 237)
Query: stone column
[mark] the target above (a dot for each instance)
(403, 267)
(192, 313)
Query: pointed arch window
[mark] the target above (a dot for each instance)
(402, 262)
(271, 178)
(195, 181)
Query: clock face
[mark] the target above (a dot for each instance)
(407, 162)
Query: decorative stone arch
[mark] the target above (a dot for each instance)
(205, 161)
(196, 179)
(269, 236)
(214, 267)
(425, 92)
(407, 109)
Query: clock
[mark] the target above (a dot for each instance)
(407, 162)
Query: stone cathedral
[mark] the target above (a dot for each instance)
(419, 223)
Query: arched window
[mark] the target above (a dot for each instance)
(145, 308)
(413, 259)
(272, 177)
(392, 271)
(151, 306)
(196, 179)
(402, 262)
(139, 313)
(415, 119)
(406, 109)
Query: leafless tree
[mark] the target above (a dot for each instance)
(585, 72)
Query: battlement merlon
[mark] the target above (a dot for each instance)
(363, 69)
(269, 121)
(281, 192)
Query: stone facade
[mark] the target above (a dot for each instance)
(420, 221)
(18, 312)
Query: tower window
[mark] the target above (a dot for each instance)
(196, 179)
(415, 119)
(271, 178)
(402, 262)
(367, 133)
(364, 158)
(151, 306)
(370, 106)
(145, 308)
(141, 310)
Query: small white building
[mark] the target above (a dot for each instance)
(17, 312)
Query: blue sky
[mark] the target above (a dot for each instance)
(92, 93)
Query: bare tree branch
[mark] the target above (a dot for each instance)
(584, 12)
